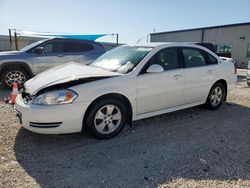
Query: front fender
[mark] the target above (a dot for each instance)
(122, 85)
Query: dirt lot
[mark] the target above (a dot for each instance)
(190, 148)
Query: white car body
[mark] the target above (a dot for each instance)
(148, 94)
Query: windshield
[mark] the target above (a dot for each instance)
(122, 59)
(26, 48)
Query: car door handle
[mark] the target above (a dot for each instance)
(60, 55)
(210, 71)
(177, 76)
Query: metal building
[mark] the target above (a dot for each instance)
(229, 40)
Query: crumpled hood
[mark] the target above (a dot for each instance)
(62, 74)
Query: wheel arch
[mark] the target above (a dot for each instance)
(224, 83)
(21, 64)
(118, 96)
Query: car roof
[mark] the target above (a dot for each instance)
(73, 40)
(156, 45)
(166, 44)
(150, 44)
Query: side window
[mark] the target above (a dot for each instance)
(48, 48)
(53, 47)
(77, 47)
(59, 46)
(167, 58)
(85, 47)
(70, 47)
(193, 57)
(211, 59)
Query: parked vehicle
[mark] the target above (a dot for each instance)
(211, 47)
(228, 59)
(125, 84)
(248, 74)
(19, 66)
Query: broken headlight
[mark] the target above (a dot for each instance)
(63, 96)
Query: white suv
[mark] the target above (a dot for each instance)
(128, 83)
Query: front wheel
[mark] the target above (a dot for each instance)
(106, 118)
(13, 75)
(216, 96)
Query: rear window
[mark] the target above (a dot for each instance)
(193, 57)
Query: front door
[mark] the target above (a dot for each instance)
(158, 91)
(80, 52)
(51, 56)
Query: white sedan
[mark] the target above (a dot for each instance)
(128, 83)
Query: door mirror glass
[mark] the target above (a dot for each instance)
(155, 68)
(38, 50)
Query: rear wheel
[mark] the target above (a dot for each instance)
(106, 118)
(216, 96)
(12, 75)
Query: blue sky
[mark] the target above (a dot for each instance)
(132, 19)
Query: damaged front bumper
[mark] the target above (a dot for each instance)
(50, 119)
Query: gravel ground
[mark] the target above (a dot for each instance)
(189, 148)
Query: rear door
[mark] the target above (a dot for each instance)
(158, 91)
(200, 73)
(80, 52)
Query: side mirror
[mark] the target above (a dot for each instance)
(155, 68)
(38, 50)
(248, 65)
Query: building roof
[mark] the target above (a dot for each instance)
(202, 28)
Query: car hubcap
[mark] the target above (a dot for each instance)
(15, 77)
(216, 96)
(107, 119)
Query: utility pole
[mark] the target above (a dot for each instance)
(15, 35)
(117, 39)
(10, 38)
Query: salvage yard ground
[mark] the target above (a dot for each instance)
(189, 148)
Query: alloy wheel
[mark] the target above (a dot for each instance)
(15, 77)
(216, 96)
(107, 119)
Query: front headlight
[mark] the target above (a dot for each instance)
(63, 96)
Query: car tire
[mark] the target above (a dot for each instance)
(12, 75)
(216, 96)
(248, 83)
(106, 118)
